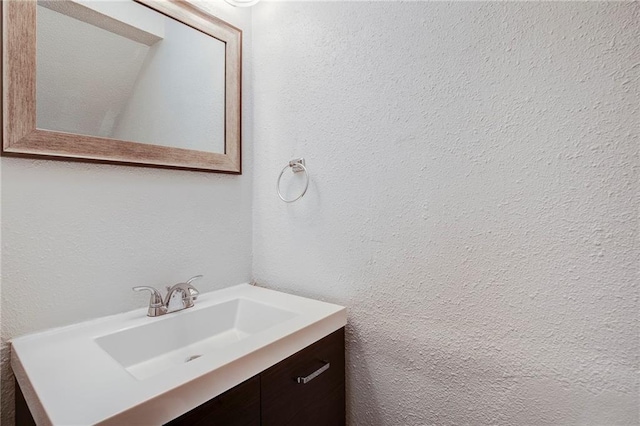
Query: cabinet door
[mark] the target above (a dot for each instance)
(318, 402)
(239, 406)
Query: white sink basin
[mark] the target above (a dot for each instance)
(153, 348)
(132, 369)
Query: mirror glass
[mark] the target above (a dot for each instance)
(120, 70)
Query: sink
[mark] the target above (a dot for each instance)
(153, 348)
(133, 369)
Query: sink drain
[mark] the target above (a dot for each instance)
(192, 357)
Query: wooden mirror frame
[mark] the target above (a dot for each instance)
(20, 137)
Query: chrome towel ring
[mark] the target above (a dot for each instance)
(297, 166)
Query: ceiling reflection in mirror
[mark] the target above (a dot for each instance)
(123, 71)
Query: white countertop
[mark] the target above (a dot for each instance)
(68, 379)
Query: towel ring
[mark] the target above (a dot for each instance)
(297, 166)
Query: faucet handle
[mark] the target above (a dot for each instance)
(156, 297)
(195, 277)
(192, 290)
(155, 302)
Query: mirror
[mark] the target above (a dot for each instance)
(145, 82)
(157, 82)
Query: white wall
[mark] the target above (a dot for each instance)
(76, 237)
(474, 201)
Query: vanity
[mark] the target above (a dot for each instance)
(275, 397)
(243, 355)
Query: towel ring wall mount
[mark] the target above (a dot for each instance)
(297, 165)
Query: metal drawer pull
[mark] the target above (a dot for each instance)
(310, 377)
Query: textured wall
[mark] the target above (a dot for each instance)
(76, 237)
(474, 201)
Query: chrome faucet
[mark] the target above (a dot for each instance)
(179, 297)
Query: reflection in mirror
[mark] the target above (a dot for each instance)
(123, 71)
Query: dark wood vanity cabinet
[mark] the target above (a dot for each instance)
(320, 401)
(239, 406)
(275, 397)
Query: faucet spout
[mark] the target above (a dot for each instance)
(179, 297)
